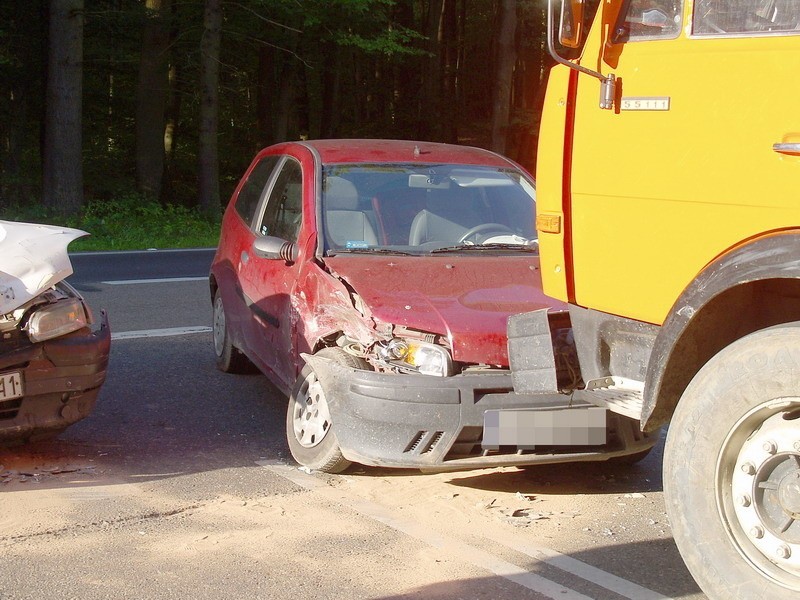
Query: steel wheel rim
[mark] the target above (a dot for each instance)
(219, 327)
(311, 418)
(760, 464)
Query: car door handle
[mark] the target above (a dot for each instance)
(787, 148)
(245, 256)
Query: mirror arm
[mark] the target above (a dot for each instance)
(608, 84)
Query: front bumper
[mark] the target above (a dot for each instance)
(436, 424)
(61, 378)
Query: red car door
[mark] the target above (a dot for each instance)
(235, 242)
(268, 284)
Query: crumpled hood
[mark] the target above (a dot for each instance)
(466, 298)
(32, 258)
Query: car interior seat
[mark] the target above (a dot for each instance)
(395, 210)
(446, 218)
(344, 222)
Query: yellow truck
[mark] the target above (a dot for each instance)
(668, 182)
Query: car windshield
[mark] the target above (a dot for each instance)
(418, 209)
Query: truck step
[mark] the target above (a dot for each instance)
(622, 396)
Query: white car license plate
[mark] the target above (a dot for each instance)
(528, 428)
(10, 386)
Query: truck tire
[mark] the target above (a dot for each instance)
(732, 469)
(310, 430)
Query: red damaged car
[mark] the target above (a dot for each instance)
(372, 281)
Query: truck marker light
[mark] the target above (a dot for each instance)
(548, 223)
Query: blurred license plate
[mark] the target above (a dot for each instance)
(10, 386)
(527, 429)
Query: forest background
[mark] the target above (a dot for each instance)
(122, 111)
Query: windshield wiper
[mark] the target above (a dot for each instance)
(530, 247)
(367, 251)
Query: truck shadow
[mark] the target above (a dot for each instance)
(667, 577)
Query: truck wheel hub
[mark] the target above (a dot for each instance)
(760, 465)
(789, 494)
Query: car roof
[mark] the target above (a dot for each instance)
(402, 151)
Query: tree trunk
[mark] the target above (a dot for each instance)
(19, 108)
(430, 102)
(172, 114)
(450, 45)
(504, 74)
(405, 77)
(286, 94)
(151, 98)
(63, 168)
(331, 77)
(264, 95)
(209, 107)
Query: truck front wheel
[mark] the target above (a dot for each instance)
(732, 469)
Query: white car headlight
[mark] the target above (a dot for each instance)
(56, 319)
(416, 356)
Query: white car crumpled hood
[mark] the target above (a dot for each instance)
(33, 258)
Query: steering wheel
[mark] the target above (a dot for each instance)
(496, 227)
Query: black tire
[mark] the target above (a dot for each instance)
(229, 358)
(317, 447)
(731, 465)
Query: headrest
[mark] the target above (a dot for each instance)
(340, 194)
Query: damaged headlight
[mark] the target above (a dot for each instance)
(56, 319)
(413, 356)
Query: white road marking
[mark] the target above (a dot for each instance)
(148, 251)
(150, 333)
(618, 585)
(162, 280)
(465, 552)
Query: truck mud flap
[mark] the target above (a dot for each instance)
(531, 355)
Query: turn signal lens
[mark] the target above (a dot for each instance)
(548, 223)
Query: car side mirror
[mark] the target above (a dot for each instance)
(275, 248)
(570, 28)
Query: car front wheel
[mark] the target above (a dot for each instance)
(309, 425)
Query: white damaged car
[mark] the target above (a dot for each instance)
(53, 357)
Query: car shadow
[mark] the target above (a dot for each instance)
(597, 477)
(164, 410)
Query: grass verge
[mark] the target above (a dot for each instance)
(130, 223)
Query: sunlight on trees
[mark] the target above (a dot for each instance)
(143, 100)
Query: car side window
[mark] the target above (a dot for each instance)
(284, 209)
(745, 17)
(648, 20)
(253, 189)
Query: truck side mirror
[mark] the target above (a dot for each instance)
(570, 34)
(570, 28)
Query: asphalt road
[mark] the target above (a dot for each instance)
(179, 486)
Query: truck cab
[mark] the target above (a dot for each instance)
(668, 169)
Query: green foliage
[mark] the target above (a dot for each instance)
(130, 222)
(289, 69)
(392, 42)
